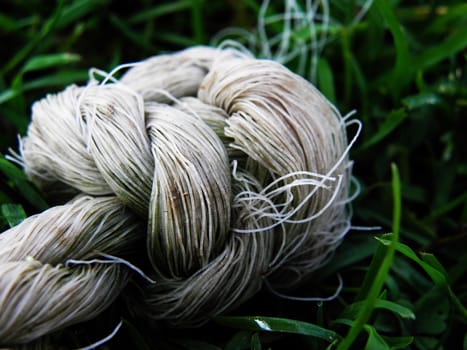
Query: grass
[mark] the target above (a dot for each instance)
(402, 67)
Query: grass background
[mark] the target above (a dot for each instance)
(402, 67)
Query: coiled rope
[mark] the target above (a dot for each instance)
(234, 170)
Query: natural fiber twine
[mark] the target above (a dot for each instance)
(235, 171)
(38, 291)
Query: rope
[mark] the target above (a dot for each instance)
(234, 170)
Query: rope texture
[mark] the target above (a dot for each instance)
(233, 169)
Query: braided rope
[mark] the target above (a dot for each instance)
(234, 170)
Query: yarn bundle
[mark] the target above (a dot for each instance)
(233, 170)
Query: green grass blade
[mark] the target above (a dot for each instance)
(136, 38)
(448, 47)
(423, 99)
(197, 21)
(160, 10)
(402, 69)
(61, 78)
(36, 40)
(275, 324)
(375, 265)
(77, 10)
(240, 341)
(434, 262)
(9, 24)
(433, 309)
(17, 177)
(58, 79)
(8, 95)
(447, 207)
(172, 38)
(384, 265)
(326, 80)
(255, 342)
(13, 213)
(392, 121)
(352, 310)
(375, 340)
(396, 343)
(49, 61)
(438, 277)
(453, 17)
(350, 252)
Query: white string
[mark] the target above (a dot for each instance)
(112, 260)
(363, 11)
(103, 340)
(307, 299)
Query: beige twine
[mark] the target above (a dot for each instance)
(39, 292)
(235, 170)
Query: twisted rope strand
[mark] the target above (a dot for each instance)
(236, 169)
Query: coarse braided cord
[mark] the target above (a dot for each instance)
(234, 170)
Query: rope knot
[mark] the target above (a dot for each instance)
(233, 169)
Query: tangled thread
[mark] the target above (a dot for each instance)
(234, 170)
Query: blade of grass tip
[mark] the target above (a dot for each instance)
(276, 324)
(9, 24)
(40, 62)
(375, 340)
(404, 312)
(437, 276)
(434, 262)
(380, 277)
